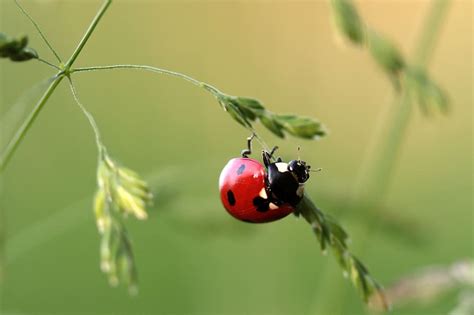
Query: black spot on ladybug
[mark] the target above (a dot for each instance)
(261, 204)
(231, 197)
(241, 169)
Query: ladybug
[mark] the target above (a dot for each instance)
(257, 193)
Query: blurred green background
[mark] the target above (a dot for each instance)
(192, 257)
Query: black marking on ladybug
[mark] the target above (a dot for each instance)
(241, 169)
(261, 204)
(231, 197)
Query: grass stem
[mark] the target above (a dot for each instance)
(379, 164)
(13, 144)
(26, 125)
(20, 134)
(198, 83)
(4, 159)
(39, 30)
(383, 160)
(211, 89)
(87, 34)
(89, 116)
(429, 34)
(48, 63)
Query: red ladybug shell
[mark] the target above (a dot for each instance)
(241, 181)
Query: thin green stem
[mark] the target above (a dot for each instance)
(89, 116)
(39, 30)
(88, 34)
(380, 164)
(48, 63)
(26, 125)
(20, 134)
(211, 89)
(198, 83)
(383, 159)
(429, 34)
(5, 158)
(374, 179)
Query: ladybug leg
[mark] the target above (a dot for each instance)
(246, 152)
(268, 156)
(273, 150)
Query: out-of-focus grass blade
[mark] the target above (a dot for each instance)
(11, 119)
(64, 220)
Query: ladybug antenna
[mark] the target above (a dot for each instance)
(299, 149)
(316, 170)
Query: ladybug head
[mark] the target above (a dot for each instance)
(300, 170)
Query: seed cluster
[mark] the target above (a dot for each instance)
(16, 49)
(121, 192)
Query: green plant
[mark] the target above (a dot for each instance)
(410, 77)
(412, 85)
(121, 192)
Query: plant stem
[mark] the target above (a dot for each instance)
(39, 30)
(20, 134)
(375, 175)
(384, 158)
(89, 116)
(5, 158)
(26, 125)
(198, 83)
(428, 35)
(48, 63)
(88, 34)
(376, 179)
(382, 161)
(211, 89)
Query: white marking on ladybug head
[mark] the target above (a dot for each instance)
(273, 206)
(300, 190)
(282, 167)
(263, 193)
